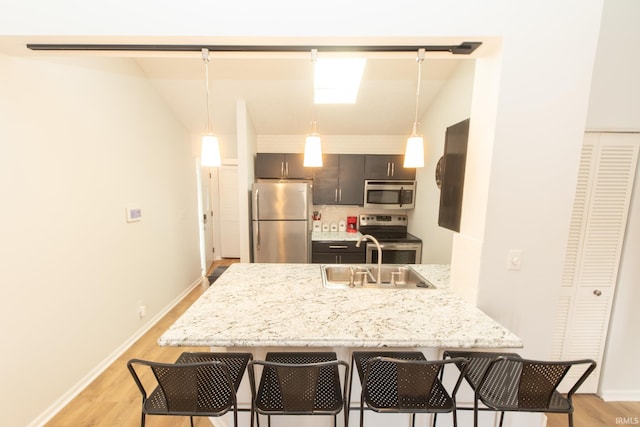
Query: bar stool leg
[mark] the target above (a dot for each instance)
(475, 411)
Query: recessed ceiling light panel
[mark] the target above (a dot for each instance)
(337, 80)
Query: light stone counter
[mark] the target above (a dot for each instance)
(275, 305)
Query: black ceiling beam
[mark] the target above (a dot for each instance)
(464, 48)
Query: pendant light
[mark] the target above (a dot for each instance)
(210, 153)
(414, 152)
(313, 146)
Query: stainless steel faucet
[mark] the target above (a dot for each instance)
(374, 240)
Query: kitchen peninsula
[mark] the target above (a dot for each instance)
(265, 305)
(280, 307)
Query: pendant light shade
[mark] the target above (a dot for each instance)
(313, 151)
(210, 154)
(414, 151)
(210, 151)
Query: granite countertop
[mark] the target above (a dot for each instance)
(318, 236)
(287, 305)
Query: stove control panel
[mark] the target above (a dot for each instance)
(390, 220)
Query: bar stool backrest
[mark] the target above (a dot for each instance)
(527, 384)
(185, 388)
(538, 382)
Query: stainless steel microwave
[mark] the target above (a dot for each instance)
(389, 194)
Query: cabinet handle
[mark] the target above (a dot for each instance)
(338, 247)
(597, 292)
(388, 168)
(393, 168)
(335, 195)
(286, 169)
(340, 194)
(282, 169)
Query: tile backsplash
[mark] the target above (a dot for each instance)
(335, 213)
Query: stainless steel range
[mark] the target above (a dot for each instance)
(398, 246)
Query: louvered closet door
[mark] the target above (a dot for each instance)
(596, 234)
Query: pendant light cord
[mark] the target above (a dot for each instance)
(314, 129)
(205, 58)
(419, 60)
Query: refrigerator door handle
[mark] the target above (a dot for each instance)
(256, 202)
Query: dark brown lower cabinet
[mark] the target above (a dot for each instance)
(337, 252)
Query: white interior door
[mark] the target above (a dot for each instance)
(596, 236)
(209, 179)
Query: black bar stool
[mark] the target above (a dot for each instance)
(298, 383)
(507, 382)
(404, 382)
(197, 384)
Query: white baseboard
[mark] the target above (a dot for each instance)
(620, 395)
(67, 397)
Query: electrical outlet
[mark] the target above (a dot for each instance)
(514, 259)
(142, 309)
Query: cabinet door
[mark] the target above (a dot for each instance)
(377, 167)
(270, 165)
(325, 258)
(294, 167)
(338, 258)
(282, 166)
(351, 179)
(353, 258)
(398, 171)
(387, 166)
(325, 181)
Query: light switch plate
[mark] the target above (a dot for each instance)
(134, 214)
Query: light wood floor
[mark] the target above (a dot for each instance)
(113, 400)
(591, 411)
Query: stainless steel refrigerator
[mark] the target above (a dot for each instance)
(281, 221)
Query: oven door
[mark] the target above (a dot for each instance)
(395, 253)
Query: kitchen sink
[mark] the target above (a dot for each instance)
(392, 276)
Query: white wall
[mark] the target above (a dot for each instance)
(81, 140)
(337, 144)
(247, 148)
(452, 105)
(467, 245)
(539, 123)
(620, 376)
(614, 104)
(614, 101)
